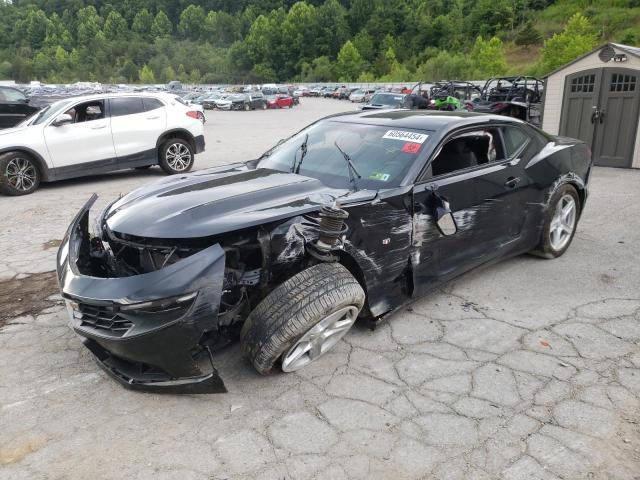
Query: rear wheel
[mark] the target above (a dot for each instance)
(302, 319)
(176, 156)
(560, 223)
(19, 174)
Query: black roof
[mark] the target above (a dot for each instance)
(420, 119)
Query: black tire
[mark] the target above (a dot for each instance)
(545, 248)
(19, 174)
(293, 308)
(170, 165)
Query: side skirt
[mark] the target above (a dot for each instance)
(148, 157)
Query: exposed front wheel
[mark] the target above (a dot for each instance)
(19, 174)
(560, 223)
(176, 156)
(302, 319)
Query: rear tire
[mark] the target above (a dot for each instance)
(560, 223)
(19, 174)
(294, 312)
(176, 156)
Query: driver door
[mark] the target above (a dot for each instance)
(484, 192)
(85, 141)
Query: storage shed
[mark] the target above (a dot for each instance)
(596, 98)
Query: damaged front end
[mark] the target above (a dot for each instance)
(150, 314)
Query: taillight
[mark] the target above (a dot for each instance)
(192, 114)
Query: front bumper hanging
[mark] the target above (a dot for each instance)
(146, 331)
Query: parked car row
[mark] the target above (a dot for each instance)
(254, 100)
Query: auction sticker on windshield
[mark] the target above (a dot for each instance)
(405, 136)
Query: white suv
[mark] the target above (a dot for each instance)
(94, 134)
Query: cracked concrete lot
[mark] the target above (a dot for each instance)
(529, 369)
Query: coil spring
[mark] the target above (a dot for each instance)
(331, 225)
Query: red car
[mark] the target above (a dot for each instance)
(279, 101)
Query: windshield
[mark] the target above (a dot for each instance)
(387, 99)
(47, 112)
(381, 155)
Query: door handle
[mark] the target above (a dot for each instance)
(98, 127)
(153, 118)
(512, 182)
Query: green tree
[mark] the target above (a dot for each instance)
(528, 35)
(576, 39)
(350, 63)
(321, 69)
(168, 74)
(128, 71)
(299, 34)
(487, 58)
(333, 28)
(146, 75)
(364, 43)
(57, 33)
(89, 24)
(488, 17)
(5, 69)
(142, 23)
(262, 73)
(36, 28)
(115, 26)
(444, 65)
(161, 26)
(192, 22)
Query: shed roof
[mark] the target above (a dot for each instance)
(635, 51)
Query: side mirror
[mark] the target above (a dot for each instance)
(443, 216)
(62, 119)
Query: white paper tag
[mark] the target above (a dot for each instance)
(405, 136)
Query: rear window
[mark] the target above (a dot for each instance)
(388, 99)
(154, 103)
(11, 95)
(126, 106)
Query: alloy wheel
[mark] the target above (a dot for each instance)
(563, 222)
(319, 339)
(178, 157)
(21, 174)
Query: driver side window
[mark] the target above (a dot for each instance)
(87, 112)
(467, 150)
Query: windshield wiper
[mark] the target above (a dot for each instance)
(295, 168)
(350, 168)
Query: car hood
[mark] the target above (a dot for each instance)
(10, 131)
(215, 201)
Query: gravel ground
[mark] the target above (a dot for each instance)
(529, 369)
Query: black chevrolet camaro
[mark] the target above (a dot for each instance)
(350, 218)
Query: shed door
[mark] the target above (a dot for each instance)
(617, 127)
(581, 91)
